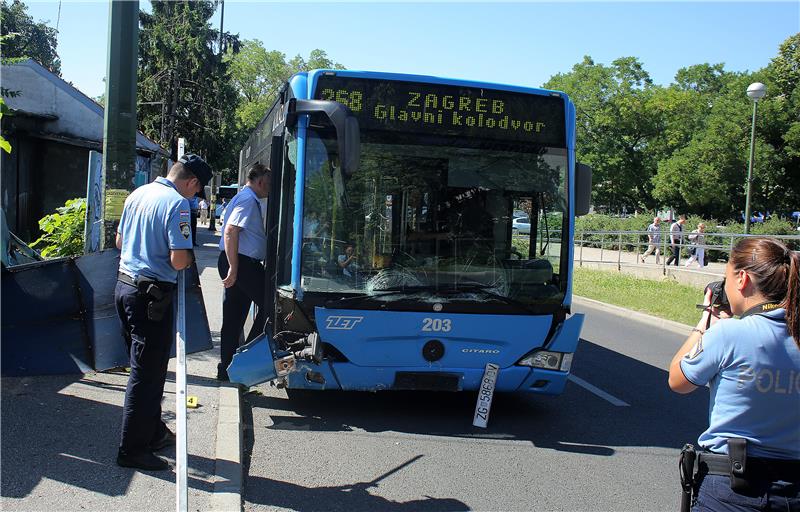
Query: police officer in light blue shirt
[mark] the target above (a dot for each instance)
(155, 240)
(243, 247)
(751, 457)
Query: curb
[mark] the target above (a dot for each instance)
(227, 494)
(669, 325)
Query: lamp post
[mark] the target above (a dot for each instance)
(755, 92)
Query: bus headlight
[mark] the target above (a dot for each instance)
(548, 360)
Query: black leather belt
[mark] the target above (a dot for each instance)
(125, 278)
(767, 469)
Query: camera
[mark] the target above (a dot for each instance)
(718, 297)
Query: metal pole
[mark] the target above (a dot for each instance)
(181, 467)
(602, 245)
(750, 171)
(181, 489)
(619, 253)
(212, 221)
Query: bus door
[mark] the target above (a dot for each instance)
(261, 360)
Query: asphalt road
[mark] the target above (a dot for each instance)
(610, 442)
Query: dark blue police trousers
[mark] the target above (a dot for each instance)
(248, 288)
(149, 346)
(716, 495)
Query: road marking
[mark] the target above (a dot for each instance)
(597, 391)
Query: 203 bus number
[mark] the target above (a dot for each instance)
(436, 324)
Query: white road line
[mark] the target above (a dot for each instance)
(597, 391)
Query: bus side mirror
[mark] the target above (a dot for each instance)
(345, 123)
(583, 189)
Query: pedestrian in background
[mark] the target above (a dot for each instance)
(243, 247)
(676, 240)
(155, 241)
(653, 239)
(697, 251)
(751, 448)
(203, 211)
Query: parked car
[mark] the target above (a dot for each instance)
(521, 225)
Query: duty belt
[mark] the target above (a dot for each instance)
(125, 278)
(766, 469)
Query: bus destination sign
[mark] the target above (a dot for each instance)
(436, 109)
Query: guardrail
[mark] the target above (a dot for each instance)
(627, 247)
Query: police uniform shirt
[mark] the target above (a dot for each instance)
(753, 367)
(244, 211)
(155, 220)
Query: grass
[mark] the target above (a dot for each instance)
(664, 299)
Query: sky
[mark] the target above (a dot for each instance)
(518, 43)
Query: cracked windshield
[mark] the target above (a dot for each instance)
(477, 225)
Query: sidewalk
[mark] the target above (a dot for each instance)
(60, 433)
(629, 263)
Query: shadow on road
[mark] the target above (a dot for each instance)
(49, 433)
(353, 497)
(577, 421)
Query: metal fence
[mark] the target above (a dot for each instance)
(627, 247)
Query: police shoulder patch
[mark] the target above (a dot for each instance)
(696, 350)
(186, 230)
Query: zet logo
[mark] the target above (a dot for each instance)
(343, 323)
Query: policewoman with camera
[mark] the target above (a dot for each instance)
(749, 457)
(155, 241)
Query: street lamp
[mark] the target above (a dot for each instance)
(755, 92)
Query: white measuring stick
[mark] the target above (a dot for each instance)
(181, 489)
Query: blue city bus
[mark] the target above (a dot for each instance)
(392, 263)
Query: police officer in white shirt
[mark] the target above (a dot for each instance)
(243, 248)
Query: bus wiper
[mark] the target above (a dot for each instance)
(481, 288)
(485, 290)
(383, 292)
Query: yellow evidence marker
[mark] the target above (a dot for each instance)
(191, 402)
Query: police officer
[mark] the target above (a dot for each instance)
(243, 246)
(155, 239)
(751, 449)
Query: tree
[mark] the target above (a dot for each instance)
(705, 170)
(258, 75)
(615, 124)
(32, 40)
(184, 87)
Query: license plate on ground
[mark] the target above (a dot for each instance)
(485, 394)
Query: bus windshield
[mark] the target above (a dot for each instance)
(436, 213)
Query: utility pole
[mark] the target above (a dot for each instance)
(119, 126)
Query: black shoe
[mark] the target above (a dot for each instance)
(145, 461)
(222, 376)
(165, 441)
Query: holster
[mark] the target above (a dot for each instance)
(158, 295)
(737, 454)
(686, 468)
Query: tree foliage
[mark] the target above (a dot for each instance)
(63, 231)
(184, 87)
(615, 121)
(258, 74)
(687, 145)
(31, 40)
